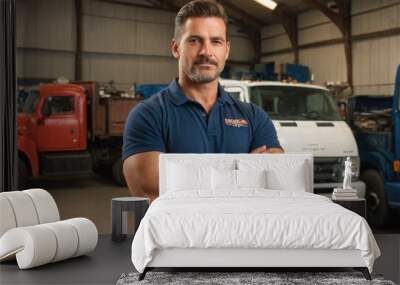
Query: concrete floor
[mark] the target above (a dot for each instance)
(88, 197)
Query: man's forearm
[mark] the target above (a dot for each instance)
(150, 192)
(136, 191)
(140, 190)
(141, 174)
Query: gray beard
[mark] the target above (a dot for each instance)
(198, 77)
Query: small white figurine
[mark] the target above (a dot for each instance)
(347, 174)
(345, 193)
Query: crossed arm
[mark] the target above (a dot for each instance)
(141, 172)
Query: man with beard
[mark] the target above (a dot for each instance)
(194, 114)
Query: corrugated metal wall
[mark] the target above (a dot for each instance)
(274, 38)
(122, 43)
(327, 63)
(374, 60)
(127, 44)
(132, 44)
(45, 38)
(241, 46)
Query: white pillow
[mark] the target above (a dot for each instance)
(251, 178)
(182, 177)
(223, 179)
(226, 179)
(294, 178)
(282, 174)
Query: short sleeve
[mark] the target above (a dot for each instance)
(264, 130)
(143, 130)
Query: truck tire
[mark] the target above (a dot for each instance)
(23, 174)
(118, 173)
(378, 211)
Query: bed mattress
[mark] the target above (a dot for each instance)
(250, 219)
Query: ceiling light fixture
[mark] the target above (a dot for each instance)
(270, 4)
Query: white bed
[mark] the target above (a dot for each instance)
(231, 211)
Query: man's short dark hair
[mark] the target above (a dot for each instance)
(199, 8)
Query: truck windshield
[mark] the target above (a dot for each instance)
(30, 102)
(295, 103)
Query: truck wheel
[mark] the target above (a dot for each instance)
(378, 210)
(117, 172)
(23, 175)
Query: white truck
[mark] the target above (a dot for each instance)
(306, 120)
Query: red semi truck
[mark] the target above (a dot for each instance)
(69, 129)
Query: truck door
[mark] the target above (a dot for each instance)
(59, 126)
(396, 115)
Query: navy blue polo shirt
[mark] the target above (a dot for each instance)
(171, 122)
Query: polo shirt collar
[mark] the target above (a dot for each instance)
(223, 95)
(179, 98)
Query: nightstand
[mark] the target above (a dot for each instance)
(358, 206)
(119, 208)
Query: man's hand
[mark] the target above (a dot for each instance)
(264, 149)
(275, 150)
(261, 149)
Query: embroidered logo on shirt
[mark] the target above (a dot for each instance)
(236, 122)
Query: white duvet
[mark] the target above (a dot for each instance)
(253, 218)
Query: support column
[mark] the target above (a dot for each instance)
(342, 19)
(78, 49)
(8, 98)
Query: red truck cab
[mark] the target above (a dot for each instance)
(64, 129)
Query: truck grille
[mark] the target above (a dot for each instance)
(326, 169)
